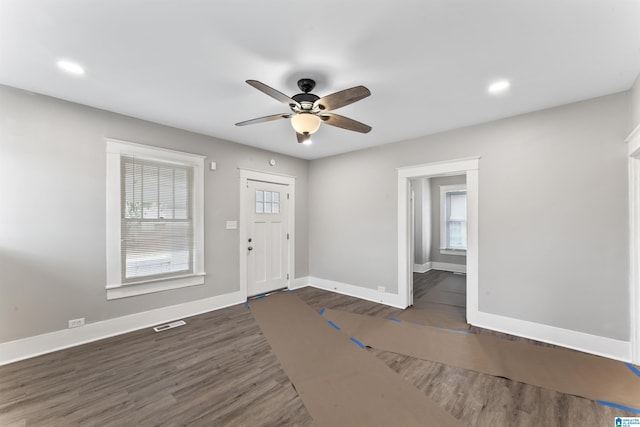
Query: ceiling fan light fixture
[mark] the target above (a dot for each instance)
(305, 123)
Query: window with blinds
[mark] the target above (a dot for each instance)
(453, 219)
(157, 221)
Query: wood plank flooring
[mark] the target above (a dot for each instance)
(219, 370)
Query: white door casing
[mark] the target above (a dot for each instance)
(412, 243)
(260, 268)
(633, 142)
(405, 264)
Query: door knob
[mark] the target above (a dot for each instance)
(250, 248)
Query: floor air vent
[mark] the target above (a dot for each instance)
(169, 325)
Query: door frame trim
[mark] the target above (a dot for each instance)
(633, 144)
(252, 175)
(469, 167)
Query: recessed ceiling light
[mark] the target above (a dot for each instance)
(70, 67)
(499, 86)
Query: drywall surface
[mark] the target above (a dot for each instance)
(553, 214)
(52, 212)
(435, 219)
(635, 104)
(422, 220)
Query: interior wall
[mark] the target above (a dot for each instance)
(422, 220)
(635, 104)
(52, 212)
(435, 183)
(553, 214)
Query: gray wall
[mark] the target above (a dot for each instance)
(422, 220)
(553, 221)
(52, 212)
(435, 184)
(635, 104)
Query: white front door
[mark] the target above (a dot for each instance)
(268, 232)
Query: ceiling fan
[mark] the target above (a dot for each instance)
(308, 111)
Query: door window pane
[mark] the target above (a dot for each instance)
(267, 202)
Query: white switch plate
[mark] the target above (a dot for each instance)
(213, 166)
(232, 225)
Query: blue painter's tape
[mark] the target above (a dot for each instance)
(336, 327)
(260, 296)
(458, 331)
(615, 405)
(246, 304)
(322, 311)
(291, 291)
(633, 369)
(358, 343)
(393, 319)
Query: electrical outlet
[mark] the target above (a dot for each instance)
(74, 323)
(381, 289)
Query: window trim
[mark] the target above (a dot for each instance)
(444, 189)
(115, 288)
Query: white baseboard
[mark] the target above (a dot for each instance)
(445, 266)
(587, 343)
(422, 268)
(356, 291)
(25, 348)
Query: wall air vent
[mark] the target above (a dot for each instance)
(169, 325)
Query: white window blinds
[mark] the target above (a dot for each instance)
(456, 218)
(157, 224)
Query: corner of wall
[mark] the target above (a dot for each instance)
(635, 104)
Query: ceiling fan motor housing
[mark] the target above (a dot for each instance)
(305, 100)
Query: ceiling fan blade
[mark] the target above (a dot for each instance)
(342, 98)
(345, 123)
(273, 93)
(264, 119)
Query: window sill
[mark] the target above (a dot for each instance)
(130, 290)
(459, 252)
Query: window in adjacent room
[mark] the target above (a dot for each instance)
(453, 219)
(154, 219)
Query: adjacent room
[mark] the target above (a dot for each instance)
(339, 213)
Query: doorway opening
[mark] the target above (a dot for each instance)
(266, 232)
(440, 248)
(468, 168)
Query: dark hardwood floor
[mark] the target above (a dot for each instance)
(219, 370)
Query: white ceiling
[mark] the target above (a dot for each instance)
(427, 63)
